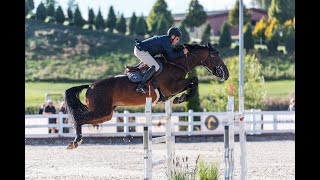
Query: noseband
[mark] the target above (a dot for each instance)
(219, 68)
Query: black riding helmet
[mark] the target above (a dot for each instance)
(174, 31)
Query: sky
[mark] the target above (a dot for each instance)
(143, 7)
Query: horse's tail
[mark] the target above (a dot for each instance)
(78, 111)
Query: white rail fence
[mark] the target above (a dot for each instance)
(131, 124)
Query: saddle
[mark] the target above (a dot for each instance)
(135, 73)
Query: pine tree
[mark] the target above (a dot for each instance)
(70, 14)
(273, 41)
(121, 25)
(91, 16)
(50, 10)
(196, 16)
(233, 15)
(282, 10)
(99, 21)
(162, 26)
(78, 20)
(225, 36)
(132, 24)
(158, 9)
(26, 9)
(205, 39)
(59, 15)
(30, 5)
(290, 40)
(141, 26)
(41, 13)
(247, 37)
(111, 20)
(185, 35)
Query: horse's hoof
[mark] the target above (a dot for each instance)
(72, 145)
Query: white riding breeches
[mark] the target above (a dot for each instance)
(145, 57)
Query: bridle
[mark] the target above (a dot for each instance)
(211, 55)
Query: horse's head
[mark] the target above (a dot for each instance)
(209, 58)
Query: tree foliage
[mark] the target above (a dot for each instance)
(185, 38)
(254, 92)
(272, 25)
(282, 10)
(273, 41)
(205, 39)
(50, 10)
(247, 37)
(158, 9)
(99, 21)
(196, 15)
(121, 25)
(162, 26)
(260, 28)
(233, 15)
(59, 15)
(91, 16)
(132, 24)
(78, 20)
(111, 20)
(141, 26)
(225, 36)
(41, 12)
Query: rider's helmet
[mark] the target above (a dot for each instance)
(174, 31)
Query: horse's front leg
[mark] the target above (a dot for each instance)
(78, 139)
(190, 84)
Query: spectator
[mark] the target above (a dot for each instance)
(292, 105)
(65, 120)
(50, 109)
(40, 110)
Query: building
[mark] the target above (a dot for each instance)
(216, 19)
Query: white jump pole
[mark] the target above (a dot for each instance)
(169, 138)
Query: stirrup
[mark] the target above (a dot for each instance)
(142, 88)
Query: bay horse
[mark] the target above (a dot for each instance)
(104, 95)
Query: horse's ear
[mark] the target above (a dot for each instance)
(209, 45)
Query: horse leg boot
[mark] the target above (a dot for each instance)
(78, 139)
(142, 87)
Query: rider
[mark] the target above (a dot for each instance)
(150, 47)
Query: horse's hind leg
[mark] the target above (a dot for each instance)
(78, 139)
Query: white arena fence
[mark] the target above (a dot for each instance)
(256, 122)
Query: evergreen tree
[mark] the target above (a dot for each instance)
(50, 10)
(194, 102)
(158, 9)
(121, 25)
(30, 5)
(290, 40)
(247, 37)
(111, 20)
(99, 21)
(132, 24)
(78, 20)
(233, 15)
(282, 10)
(162, 26)
(26, 9)
(205, 39)
(91, 16)
(196, 16)
(273, 41)
(225, 36)
(264, 4)
(141, 26)
(70, 14)
(41, 13)
(272, 25)
(185, 35)
(59, 15)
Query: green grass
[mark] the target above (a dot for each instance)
(280, 88)
(35, 91)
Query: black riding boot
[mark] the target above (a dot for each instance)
(142, 87)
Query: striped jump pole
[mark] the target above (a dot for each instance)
(169, 138)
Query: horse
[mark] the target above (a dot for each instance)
(103, 96)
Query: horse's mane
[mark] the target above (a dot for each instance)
(190, 47)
